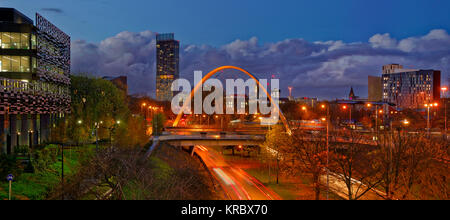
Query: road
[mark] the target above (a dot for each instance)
(237, 184)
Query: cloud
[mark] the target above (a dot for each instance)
(53, 10)
(317, 69)
(383, 41)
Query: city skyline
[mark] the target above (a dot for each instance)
(315, 63)
(345, 119)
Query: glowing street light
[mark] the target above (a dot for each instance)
(304, 108)
(444, 91)
(327, 119)
(429, 106)
(406, 122)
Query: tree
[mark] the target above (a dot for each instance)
(277, 140)
(98, 104)
(412, 166)
(351, 163)
(158, 123)
(298, 154)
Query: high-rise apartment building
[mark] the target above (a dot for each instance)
(167, 65)
(34, 79)
(410, 88)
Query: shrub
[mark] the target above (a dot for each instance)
(9, 165)
(43, 159)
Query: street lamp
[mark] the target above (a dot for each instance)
(350, 113)
(327, 119)
(444, 92)
(406, 122)
(429, 106)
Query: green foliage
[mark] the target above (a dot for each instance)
(21, 150)
(158, 123)
(94, 100)
(162, 170)
(9, 165)
(47, 177)
(43, 159)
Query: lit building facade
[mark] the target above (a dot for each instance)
(409, 88)
(167, 65)
(34, 79)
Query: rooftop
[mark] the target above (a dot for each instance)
(11, 15)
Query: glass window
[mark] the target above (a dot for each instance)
(6, 63)
(25, 41)
(33, 41)
(6, 40)
(34, 64)
(15, 64)
(24, 64)
(15, 40)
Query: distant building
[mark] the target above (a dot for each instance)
(375, 89)
(167, 65)
(410, 88)
(311, 102)
(391, 68)
(34, 79)
(121, 82)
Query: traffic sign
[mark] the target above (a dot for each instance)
(10, 177)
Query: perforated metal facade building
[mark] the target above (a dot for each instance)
(34, 79)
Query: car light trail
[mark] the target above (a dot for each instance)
(227, 180)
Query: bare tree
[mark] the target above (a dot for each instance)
(298, 154)
(352, 164)
(412, 166)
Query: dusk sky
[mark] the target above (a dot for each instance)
(320, 47)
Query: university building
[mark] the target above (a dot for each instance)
(410, 88)
(167, 65)
(34, 79)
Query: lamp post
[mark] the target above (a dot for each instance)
(444, 92)
(142, 110)
(96, 126)
(328, 144)
(429, 106)
(345, 107)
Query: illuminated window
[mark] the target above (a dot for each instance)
(6, 40)
(14, 64)
(6, 63)
(33, 41)
(15, 40)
